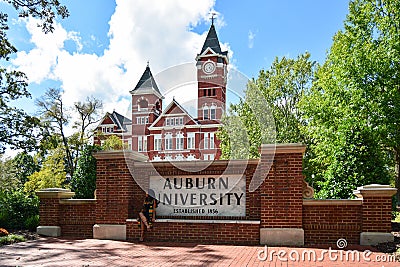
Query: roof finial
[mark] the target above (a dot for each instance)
(148, 63)
(213, 17)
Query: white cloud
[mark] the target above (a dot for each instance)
(251, 37)
(141, 30)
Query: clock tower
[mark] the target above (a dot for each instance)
(212, 74)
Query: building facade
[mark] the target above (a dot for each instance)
(172, 133)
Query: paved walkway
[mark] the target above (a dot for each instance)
(91, 252)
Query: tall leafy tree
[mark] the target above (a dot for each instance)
(8, 176)
(354, 108)
(89, 113)
(18, 129)
(54, 113)
(269, 112)
(83, 181)
(25, 166)
(51, 175)
(57, 116)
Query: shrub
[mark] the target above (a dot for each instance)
(16, 207)
(10, 239)
(32, 223)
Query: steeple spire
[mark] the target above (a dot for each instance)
(213, 17)
(212, 41)
(147, 81)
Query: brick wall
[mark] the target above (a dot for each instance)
(77, 218)
(211, 233)
(277, 203)
(377, 212)
(325, 221)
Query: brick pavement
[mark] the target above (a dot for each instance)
(91, 252)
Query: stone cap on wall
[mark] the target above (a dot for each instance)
(55, 193)
(77, 201)
(121, 154)
(332, 202)
(375, 190)
(196, 164)
(283, 148)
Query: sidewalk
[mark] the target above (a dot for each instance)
(92, 252)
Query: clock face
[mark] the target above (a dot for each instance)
(208, 67)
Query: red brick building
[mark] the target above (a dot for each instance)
(172, 133)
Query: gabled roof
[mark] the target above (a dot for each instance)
(169, 107)
(146, 82)
(118, 119)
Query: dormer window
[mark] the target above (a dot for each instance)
(107, 129)
(174, 121)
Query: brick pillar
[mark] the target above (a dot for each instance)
(376, 213)
(49, 210)
(114, 193)
(282, 195)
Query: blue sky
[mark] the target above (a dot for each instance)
(103, 47)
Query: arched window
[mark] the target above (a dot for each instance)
(158, 107)
(168, 141)
(205, 112)
(213, 112)
(179, 141)
(143, 104)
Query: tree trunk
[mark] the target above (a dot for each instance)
(397, 177)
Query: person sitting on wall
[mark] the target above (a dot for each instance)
(148, 213)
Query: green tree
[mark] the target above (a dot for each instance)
(8, 176)
(113, 142)
(54, 113)
(52, 174)
(18, 129)
(83, 181)
(353, 110)
(57, 117)
(283, 86)
(269, 112)
(25, 166)
(89, 114)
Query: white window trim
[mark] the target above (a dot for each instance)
(179, 141)
(213, 109)
(205, 141)
(157, 142)
(168, 141)
(191, 140)
(206, 111)
(212, 141)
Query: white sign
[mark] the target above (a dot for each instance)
(200, 195)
